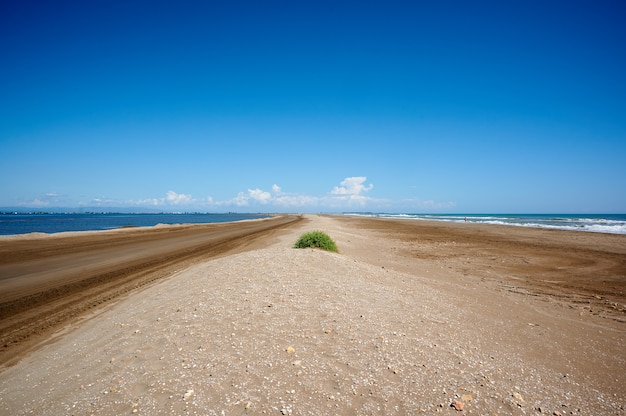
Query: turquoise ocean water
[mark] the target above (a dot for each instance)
(20, 223)
(601, 223)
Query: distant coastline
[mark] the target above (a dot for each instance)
(91, 210)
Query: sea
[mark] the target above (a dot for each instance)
(599, 223)
(49, 223)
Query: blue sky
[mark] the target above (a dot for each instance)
(314, 106)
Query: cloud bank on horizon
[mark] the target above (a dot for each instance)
(352, 193)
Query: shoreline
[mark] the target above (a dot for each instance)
(595, 223)
(407, 318)
(38, 234)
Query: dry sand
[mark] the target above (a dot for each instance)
(410, 317)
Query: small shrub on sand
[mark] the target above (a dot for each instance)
(316, 239)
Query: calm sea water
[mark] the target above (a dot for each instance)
(601, 223)
(56, 223)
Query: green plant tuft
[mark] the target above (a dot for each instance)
(316, 239)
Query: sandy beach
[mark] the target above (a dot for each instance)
(409, 317)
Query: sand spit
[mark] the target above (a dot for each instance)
(380, 328)
(47, 282)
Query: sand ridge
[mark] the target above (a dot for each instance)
(282, 331)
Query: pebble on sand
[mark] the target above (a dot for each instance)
(458, 405)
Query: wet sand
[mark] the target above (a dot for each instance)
(582, 269)
(410, 317)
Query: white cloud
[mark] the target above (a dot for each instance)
(296, 201)
(352, 188)
(178, 199)
(350, 192)
(38, 203)
(171, 198)
(276, 198)
(240, 200)
(259, 195)
(148, 201)
(101, 201)
(45, 200)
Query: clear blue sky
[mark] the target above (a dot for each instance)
(307, 106)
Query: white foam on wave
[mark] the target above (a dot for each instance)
(597, 225)
(619, 228)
